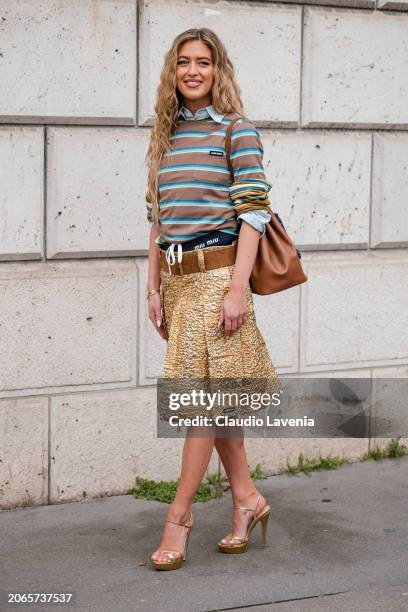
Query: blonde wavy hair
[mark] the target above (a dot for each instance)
(225, 95)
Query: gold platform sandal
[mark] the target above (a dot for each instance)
(176, 557)
(239, 545)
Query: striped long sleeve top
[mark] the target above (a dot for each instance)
(196, 191)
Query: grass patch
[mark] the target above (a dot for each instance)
(257, 473)
(374, 454)
(396, 449)
(215, 479)
(318, 463)
(165, 491)
(393, 449)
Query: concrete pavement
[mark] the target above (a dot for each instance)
(338, 540)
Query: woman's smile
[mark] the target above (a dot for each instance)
(193, 84)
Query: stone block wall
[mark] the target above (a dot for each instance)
(327, 85)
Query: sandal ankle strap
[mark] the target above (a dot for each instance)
(242, 508)
(250, 509)
(174, 523)
(186, 525)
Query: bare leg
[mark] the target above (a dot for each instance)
(244, 493)
(197, 453)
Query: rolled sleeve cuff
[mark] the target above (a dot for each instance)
(257, 219)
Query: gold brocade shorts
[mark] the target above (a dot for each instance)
(196, 347)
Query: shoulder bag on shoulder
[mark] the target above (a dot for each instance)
(277, 264)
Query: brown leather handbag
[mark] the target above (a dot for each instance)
(277, 264)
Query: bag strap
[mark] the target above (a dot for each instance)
(228, 144)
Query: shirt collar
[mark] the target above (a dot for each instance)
(202, 113)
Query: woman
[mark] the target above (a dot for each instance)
(199, 296)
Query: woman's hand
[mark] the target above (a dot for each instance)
(233, 310)
(153, 281)
(155, 315)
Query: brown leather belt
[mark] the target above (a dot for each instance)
(200, 260)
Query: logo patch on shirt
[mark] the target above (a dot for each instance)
(217, 153)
